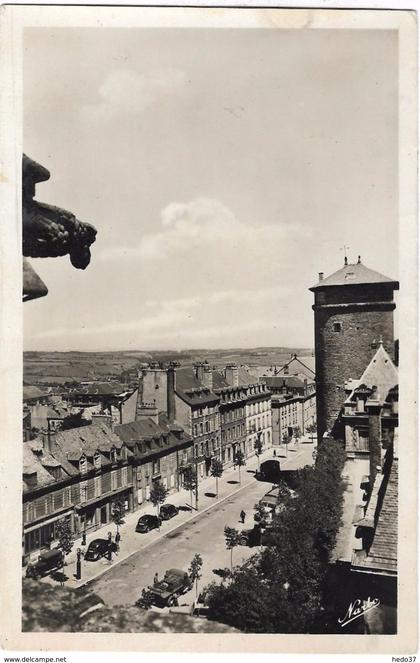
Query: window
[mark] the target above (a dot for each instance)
(201, 429)
(83, 465)
(195, 430)
(207, 426)
(97, 461)
(156, 466)
(337, 326)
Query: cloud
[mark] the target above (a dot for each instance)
(205, 223)
(127, 91)
(257, 296)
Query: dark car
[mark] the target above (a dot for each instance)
(258, 536)
(166, 592)
(50, 560)
(269, 471)
(168, 511)
(99, 548)
(147, 522)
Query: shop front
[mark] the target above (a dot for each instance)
(97, 512)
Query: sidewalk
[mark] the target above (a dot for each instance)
(131, 541)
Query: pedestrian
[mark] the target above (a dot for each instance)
(243, 515)
(156, 578)
(117, 540)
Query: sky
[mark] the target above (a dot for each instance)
(223, 169)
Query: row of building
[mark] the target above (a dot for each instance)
(176, 417)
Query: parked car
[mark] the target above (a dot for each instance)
(258, 536)
(168, 511)
(269, 471)
(147, 522)
(167, 591)
(99, 548)
(50, 560)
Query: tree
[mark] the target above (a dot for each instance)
(312, 428)
(189, 481)
(286, 439)
(239, 460)
(194, 571)
(233, 539)
(75, 420)
(65, 536)
(283, 588)
(297, 433)
(216, 470)
(117, 513)
(258, 447)
(158, 495)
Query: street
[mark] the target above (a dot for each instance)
(204, 534)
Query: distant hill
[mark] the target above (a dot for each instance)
(59, 367)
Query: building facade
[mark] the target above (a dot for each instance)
(258, 418)
(76, 474)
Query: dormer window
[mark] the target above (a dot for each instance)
(114, 455)
(97, 461)
(83, 465)
(124, 453)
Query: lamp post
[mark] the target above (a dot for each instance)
(78, 564)
(109, 546)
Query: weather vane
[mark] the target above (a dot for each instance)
(345, 249)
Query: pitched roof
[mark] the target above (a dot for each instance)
(190, 389)
(382, 555)
(381, 372)
(31, 465)
(354, 274)
(245, 378)
(308, 366)
(31, 392)
(219, 381)
(137, 430)
(291, 381)
(87, 440)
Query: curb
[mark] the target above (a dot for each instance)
(158, 538)
(85, 583)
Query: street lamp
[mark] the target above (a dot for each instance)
(78, 564)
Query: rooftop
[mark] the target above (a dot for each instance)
(354, 274)
(381, 373)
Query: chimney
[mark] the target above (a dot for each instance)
(149, 411)
(321, 276)
(48, 441)
(232, 375)
(199, 372)
(208, 377)
(102, 419)
(170, 393)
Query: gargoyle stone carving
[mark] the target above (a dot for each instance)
(48, 231)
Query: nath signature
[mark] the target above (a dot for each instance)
(357, 609)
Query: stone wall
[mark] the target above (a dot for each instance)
(343, 349)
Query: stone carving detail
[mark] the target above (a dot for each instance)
(49, 231)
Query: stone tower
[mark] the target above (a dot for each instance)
(353, 312)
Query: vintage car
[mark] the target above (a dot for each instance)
(147, 522)
(168, 511)
(50, 560)
(166, 592)
(258, 536)
(99, 548)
